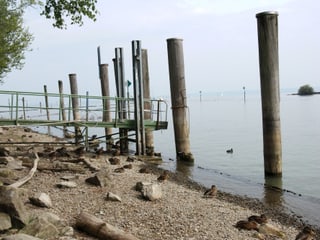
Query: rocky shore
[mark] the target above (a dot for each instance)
(177, 211)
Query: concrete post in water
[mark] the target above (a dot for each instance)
(106, 117)
(147, 101)
(179, 99)
(63, 112)
(270, 95)
(75, 104)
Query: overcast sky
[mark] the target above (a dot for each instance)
(219, 40)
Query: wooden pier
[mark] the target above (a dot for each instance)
(27, 109)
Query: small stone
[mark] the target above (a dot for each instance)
(113, 197)
(5, 221)
(41, 200)
(4, 152)
(69, 177)
(66, 184)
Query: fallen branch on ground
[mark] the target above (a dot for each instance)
(25, 179)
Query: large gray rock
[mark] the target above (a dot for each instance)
(12, 204)
(152, 191)
(5, 221)
(101, 178)
(45, 226)
(11, 162)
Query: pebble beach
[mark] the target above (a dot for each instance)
(182, 212)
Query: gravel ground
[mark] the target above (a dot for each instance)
(181, 213)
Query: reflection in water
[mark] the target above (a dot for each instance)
(185, 167)
(273, 193)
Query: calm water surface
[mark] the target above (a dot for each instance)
(220, 122)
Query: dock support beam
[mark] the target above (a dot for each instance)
(147, 102)
(120, 85)
(138, 97)
(106, 116)
(75, 104)
(179, 99)
(270, 93)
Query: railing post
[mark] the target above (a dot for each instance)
(24, 109)
(138, 97)
(17, 107)
(63, 113)
(47, 105)
(270, 95)
(179, 99)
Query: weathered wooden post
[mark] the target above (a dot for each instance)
(270, 95)
(106, 116)
(75, 104)
(147, 101)
(179, 99)
(47, 105)
(138, 97)
(63, 113)
(120, 85)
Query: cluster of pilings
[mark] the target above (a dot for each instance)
(142, 106)
(267, 23)
(270, 94)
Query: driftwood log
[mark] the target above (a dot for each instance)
(26, 178)
(99, 229)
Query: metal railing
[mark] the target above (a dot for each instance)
(34, 108)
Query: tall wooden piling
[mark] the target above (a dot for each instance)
(179, 99)
(138, 97)
(105, 90)
(147, 101)
(75, 104)
(62, 109)
(270, 94)
(120, 84)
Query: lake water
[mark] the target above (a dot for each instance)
(222, 121)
